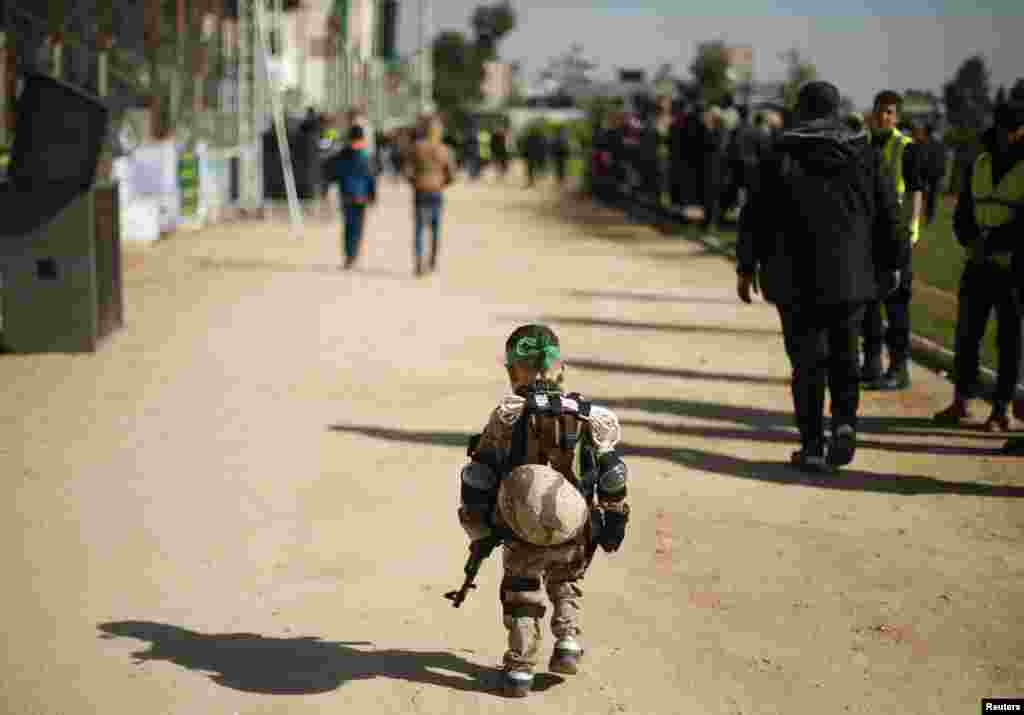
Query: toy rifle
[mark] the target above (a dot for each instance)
(479, 550)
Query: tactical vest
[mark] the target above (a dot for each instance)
(994, 204)
(549, 432)
(892, 157)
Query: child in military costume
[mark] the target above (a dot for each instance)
(545, 482)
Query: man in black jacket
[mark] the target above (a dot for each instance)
(819, 232)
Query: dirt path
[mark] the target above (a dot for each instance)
(244, 503)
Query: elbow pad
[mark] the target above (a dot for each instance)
(613, 475)
(478, 485)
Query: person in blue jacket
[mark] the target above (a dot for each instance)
(357, 187)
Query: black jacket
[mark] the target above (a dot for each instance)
(825, 221)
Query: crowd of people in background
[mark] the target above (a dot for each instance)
(711, 162)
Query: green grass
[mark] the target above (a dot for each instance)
(938, 262)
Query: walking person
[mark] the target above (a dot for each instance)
(902, 160)
(357, 188)
(989, 223)
(814, 236)
(430, 169)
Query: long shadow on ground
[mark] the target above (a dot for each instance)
(728, 465)
(228, 264)
(650, 297)
(768, 420)
(656, 327)
(680, 373)
(303, 665)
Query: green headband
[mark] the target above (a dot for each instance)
(529, 349)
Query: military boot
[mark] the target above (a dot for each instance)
(517, 683)
(565, 658)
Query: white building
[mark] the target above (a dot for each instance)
(306, 61)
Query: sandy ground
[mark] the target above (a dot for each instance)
(245, 501)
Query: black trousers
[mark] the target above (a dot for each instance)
(897, 311)
(931, 196)
(984, 287)
(821, 342)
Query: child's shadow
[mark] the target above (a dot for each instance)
(302, 665)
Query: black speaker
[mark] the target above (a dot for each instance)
(387, 29)
(58, 136)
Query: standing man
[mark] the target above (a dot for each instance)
(499, 146)
(535, 149)
(902, 160)
(357, 188)
(933, 168)
(820, 228)
(712, 146)
(989, 222)
(430, 169)
(561, 149)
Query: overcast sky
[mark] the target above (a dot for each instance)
(853, 44)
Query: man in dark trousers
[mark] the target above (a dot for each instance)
(357, 189)
(561, 149)
(902, 160)
(989, 223)
(535, 149)
(933, 168)
(816, 235)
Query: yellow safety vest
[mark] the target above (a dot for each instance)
(484, 138)
(991, 202)
(892, 156)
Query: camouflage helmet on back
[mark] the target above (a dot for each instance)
(541, 506)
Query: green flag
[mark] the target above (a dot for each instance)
(341, 19)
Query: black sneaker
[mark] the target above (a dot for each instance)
(842, 446)
(811, 460)
(517, 683)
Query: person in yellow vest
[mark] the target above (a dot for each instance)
(901, 158)
(484, 139)
(989, 223)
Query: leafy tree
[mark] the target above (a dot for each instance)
(458, 71)
(799, 70)
(710, 71)
(967, 99)
(570, 69)
(490, 23)
(459, 61)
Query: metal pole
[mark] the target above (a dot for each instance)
(294, 209)
(3, 81)
(422, 58)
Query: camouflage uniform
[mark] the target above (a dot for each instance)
(531, 570)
